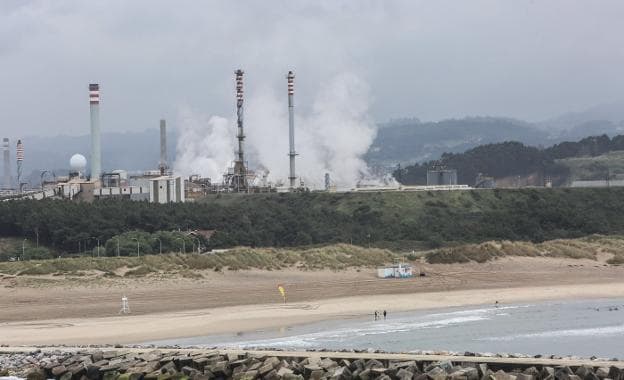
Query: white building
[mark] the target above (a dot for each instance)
(166, 189)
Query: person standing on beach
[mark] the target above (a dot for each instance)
(375, 314)
(384, 314)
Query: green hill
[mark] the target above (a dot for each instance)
(396, 220)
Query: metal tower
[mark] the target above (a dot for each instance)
(20, 161)
(291, 128)
(238, 180)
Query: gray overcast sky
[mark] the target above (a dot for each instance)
(429, 59)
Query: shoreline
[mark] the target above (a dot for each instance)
(130, 329)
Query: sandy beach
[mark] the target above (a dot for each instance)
(68, 311)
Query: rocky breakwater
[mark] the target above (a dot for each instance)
(216, 365)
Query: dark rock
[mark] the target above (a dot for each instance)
(110, 375)
(58, 370)
(108, 355)
(373, 363)
(168, 367)
(36, 374)
(200, 363)
(77, 370)
(365, 375)
(183, 361)
(602, 372)
(404, 374)
(328, 364)
(342, 373)
(291, 376)
(615, 373)
(582, 371)
(220, 369)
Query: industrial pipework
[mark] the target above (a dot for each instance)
(96, 149)
(291, 128)
(162, 165)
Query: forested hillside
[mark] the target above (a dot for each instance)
(513, 159)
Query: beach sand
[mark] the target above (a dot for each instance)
(49, 310)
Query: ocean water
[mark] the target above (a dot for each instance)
(580, 328)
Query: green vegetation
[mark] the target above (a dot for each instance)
(11, 248)
(401, 221)
(584, 248)
(334, 257)
(609, 165)
(516, 159)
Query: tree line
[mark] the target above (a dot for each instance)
(409, 219)
(512, 159)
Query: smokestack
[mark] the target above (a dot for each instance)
(96, 149)
(291, 128)
(239, 115)
(20, 160)
(238, 181)
(163, 147)
(7, 163)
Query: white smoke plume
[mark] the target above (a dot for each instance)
(330, 138)
(205, 145)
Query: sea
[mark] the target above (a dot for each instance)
(583, 328)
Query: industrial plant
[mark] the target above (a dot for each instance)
(162, 185)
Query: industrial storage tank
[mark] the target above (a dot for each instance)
(441, 177)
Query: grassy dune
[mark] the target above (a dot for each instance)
(583, 248)
(334, 257)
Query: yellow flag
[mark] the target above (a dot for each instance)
(282, 291)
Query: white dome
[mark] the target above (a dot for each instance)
(78, 163)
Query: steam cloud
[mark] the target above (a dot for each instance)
(331, 138)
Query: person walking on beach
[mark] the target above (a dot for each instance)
(384, 314)
(375, 314)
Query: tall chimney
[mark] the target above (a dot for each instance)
(19, 153)
(6, 183)
(239, 179)
(163, 147)
(96, 149)
(291, 128)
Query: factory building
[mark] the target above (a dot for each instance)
(441, 177)
(166, 189)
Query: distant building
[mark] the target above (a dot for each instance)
(484, 182)
(166, 189)
(598, 183)
(441, 177)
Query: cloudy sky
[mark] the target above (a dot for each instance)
(428, 59)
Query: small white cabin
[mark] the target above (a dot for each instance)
(400, 270)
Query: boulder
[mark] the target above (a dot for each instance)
(292, 376)
(373, 363)
(58, 370)
(404, 374)
(97, 356)
(342, 373)
(328, 364)
(36, 374)
(200, 363)
(110, 375)
(602, 372)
